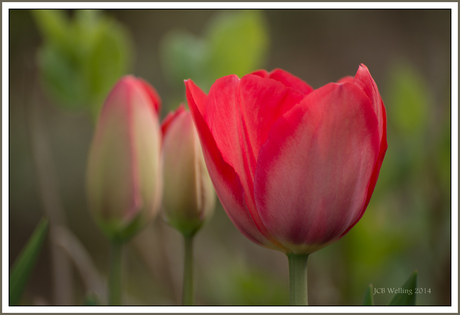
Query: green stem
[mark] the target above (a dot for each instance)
(187, 290)
(115, 273)
(298, 293)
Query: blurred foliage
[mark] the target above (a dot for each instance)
(22, 268)
(408, 294)
(368, 297)
(409, 99)
(81, 58)
(233, 42)
(244, 285)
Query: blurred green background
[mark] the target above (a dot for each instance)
(61, 65)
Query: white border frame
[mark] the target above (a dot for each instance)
(6, 6)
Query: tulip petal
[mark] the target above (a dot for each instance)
(170, 117)
(375, 174)
(313, 172)
(261, 73)
(364, 80)
(226, 181)
(223, 118)
(287, 79)
(221, 114)
(234, 129)
(347, 79)
(198, 96)
(155, 99)
(262, 102)
(291, 81)
(182, 196)
(146, 145)
(113, 134)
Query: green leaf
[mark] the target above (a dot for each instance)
(81, 58)
(238, 43)
(184, 56)
(106, 61)
(368, 297)
(407, 296)
(62, 78)
(53, 25)
(233, 42)
(25, 262)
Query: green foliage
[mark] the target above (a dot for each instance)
(363, 257)
(81, 58)
(238, 43)
(408, 102)
(443, 157)
(368, 297)
(241, 284)
(256, 288)
(25, 262)
(407, 297)
(184, 55)
(233, 42)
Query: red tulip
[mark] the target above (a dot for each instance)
(294, 167)
(124, 171)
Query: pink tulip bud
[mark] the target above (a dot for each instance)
(294, 167)
(188, 198)
(124, 174)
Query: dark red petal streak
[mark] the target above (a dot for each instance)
(313, 172)
(226, 181)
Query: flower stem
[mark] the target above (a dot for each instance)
(187, 290)
(115, 273)
(298, 293)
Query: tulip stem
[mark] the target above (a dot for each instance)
(298, 293)
(187, 289)
(115, 273)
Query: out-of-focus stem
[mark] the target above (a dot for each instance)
(115, 273)
(82, 260)
(48, 186)
(154, 247)
(187, 290)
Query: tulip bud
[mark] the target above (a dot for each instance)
(188, 199)
(124, 175)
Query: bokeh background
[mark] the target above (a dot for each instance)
(61, 65)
